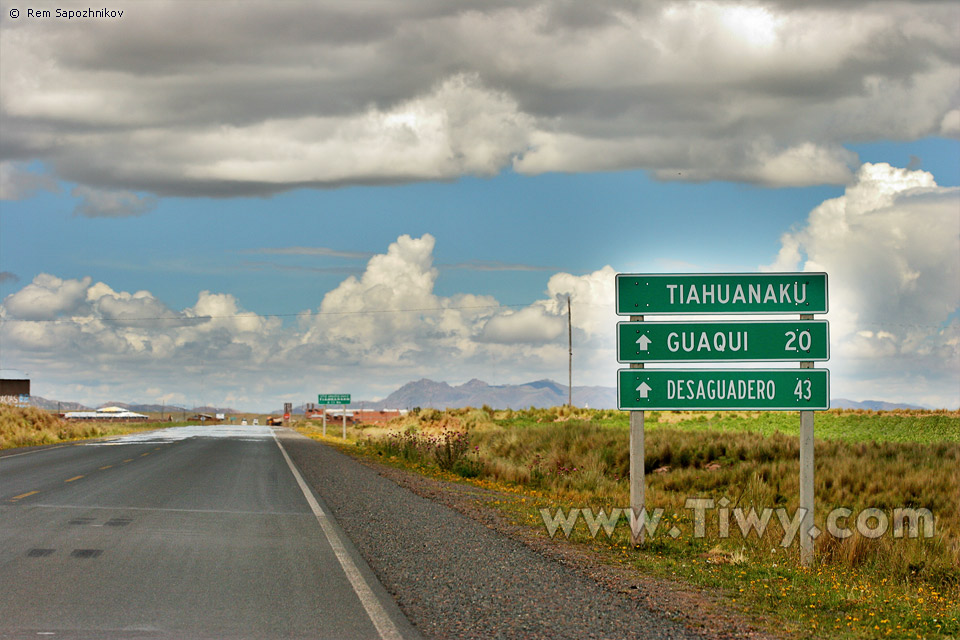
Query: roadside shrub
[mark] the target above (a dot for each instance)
(445, 450)
(475, 418)
(469, 468)
(448, 448)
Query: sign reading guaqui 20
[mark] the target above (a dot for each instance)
(333, 398)
(723, 341)
(679, 293)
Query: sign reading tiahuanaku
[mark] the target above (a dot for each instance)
(649, 294)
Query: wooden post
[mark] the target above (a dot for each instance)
(806, 476)
(637, 481)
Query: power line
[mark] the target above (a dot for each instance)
(304, 314)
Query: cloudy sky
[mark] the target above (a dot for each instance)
(246, 203)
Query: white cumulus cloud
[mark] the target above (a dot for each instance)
(890, 244)
(891, 248)
(383, 328)
(47, 297)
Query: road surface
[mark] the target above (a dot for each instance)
(195, 532)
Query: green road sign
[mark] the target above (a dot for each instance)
(747, 389)
(735, 341)
(688, 293)
(333, 398)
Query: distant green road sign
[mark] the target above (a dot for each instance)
(333, 398)
(717, 341)
(718, 389)
(691, 293)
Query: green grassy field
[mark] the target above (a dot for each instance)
(861, 587)
(836, 424)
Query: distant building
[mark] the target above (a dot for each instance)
(356, 416)
(14, 387)
(117, 414)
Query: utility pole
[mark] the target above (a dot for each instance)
(570, 359)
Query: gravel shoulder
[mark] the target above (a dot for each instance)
(459, 569)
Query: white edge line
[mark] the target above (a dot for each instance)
(378, 616)
(170, 510)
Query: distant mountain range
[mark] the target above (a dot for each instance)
(541, 393)
(54, 405)
(426, 393)
(476, 393)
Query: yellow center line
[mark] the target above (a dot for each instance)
(129, 460)
(24, 495)
(106, 467)
(145, 454)
(72, 479)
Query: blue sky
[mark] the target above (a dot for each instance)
(514, 189)
(547, 223)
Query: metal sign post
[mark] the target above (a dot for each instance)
(344, 422)
(806, 476)
(638, 485)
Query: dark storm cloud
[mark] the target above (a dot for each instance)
(253, 98)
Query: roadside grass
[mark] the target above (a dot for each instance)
(29, 426)
(861, 587)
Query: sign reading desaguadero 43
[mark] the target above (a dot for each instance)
(715, 341)
(692, 389)
(648, 294)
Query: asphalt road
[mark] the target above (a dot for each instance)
(181, 533)
(456, 578)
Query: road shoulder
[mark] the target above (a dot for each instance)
(459, 568)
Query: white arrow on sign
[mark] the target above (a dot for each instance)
(644, 342)
(644, 389)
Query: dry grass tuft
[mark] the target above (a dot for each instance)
(30, 426)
